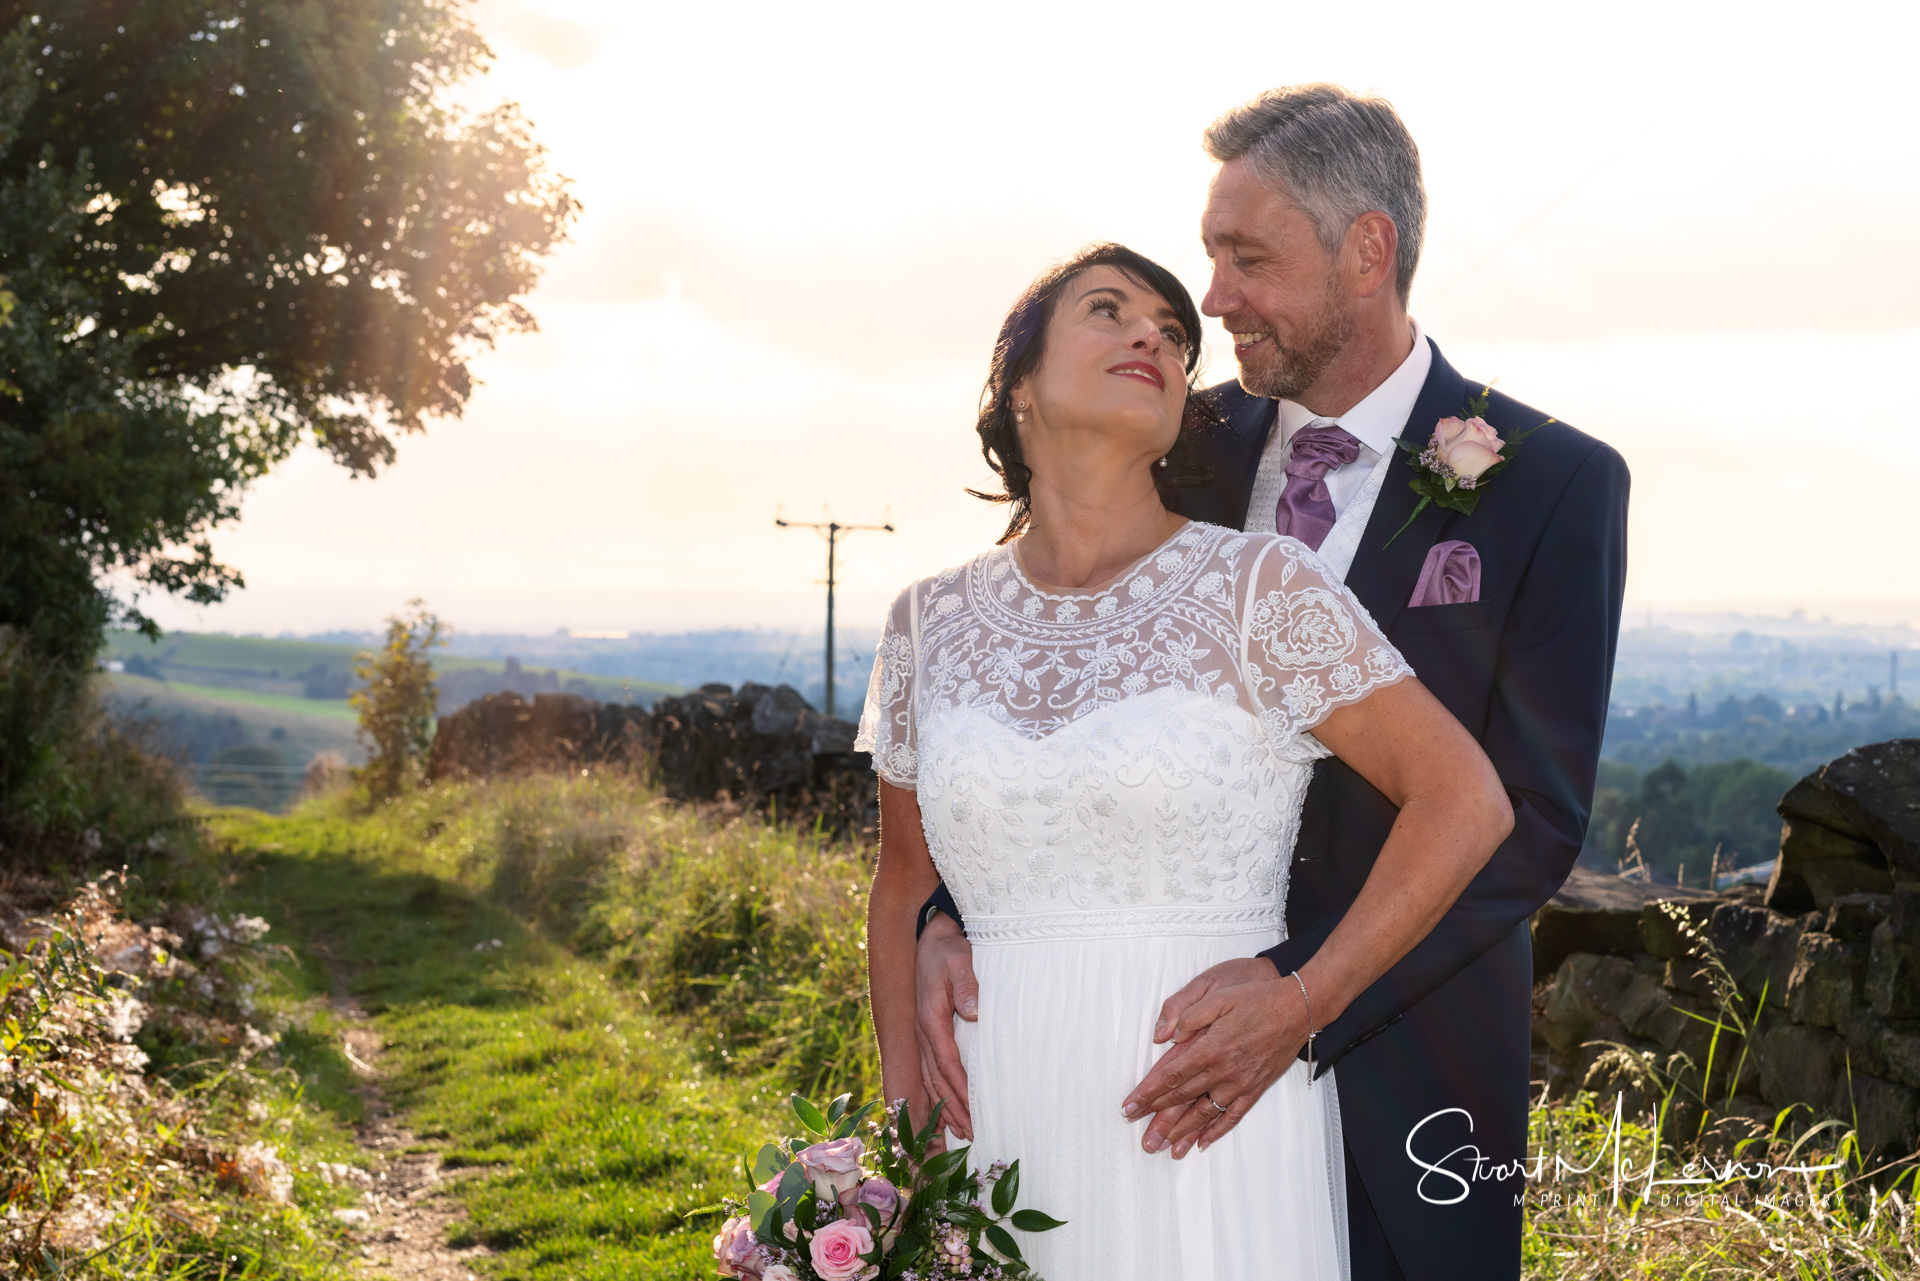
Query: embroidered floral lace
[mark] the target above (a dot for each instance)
(1128, 760)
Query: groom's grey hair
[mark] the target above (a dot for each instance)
(1336, 155)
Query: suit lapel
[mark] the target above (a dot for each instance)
(1234, 445)
(1382, 576)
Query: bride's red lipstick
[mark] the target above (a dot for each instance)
(1140, 369)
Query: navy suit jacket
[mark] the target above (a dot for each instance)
(1433, 1058)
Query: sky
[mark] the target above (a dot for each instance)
(1688, 229)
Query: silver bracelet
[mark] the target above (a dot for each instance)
(1312, 1031)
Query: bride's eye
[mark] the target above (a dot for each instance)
(1176, 335)
(1107, 305)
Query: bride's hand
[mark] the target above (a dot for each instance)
(1237, 1028)
(943, 984)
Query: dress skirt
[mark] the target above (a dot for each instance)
(1065, 1032)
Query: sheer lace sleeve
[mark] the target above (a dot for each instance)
(1309, 647)
(886, 725)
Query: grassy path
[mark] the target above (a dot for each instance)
(602, 1127)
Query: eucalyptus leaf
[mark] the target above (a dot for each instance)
(1007, 1190)
(838, 1108)
(759, 1206)
(770, 1162)
(1034, 1221)
(792, 1184)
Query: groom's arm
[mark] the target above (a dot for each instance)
(1544, 728)
(939, 901)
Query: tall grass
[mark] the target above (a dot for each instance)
(720, 965)
(749, 932)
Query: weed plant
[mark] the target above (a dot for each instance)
(143, 1112)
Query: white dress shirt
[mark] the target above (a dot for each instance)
(1374, 422)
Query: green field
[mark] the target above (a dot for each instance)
(268, 665)
(299, 728)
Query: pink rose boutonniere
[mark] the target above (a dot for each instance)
(1456, 464)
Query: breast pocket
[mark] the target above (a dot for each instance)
(1428, 619)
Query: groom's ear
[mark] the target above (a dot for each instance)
(1372, 249)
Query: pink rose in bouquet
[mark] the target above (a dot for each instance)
(834, 1166)
(779, 1272)
(1467, 447)
(736, 1251)
(881, 1195)
(836, 1250)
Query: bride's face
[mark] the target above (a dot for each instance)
(1114, 366)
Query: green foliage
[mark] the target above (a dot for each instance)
(163, 1156)
(1685, 814)
(396, 701)
(605, 1129)
(226, 227)
(936, 1228)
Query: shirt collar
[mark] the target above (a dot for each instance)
(1378, 419)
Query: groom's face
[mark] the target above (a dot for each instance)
(1275, 288)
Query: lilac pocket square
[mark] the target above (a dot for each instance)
(1451, 576)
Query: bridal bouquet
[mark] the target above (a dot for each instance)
(831, 1206)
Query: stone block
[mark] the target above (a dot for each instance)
(1884, 1115)
(1893, 963)
(1584, 989)
(1799, 1064)
(1691, 976)
(1758, 946)
(1840, 878)
(1871, 793)
(1560, 930)
(1825, 981)
(1900, 1055)
(1853, 916)
(1811, 800)
(1662, 932)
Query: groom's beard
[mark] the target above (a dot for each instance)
(1285, 373)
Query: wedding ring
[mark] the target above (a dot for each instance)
(1216, 1103)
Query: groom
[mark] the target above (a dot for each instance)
(1509, 616)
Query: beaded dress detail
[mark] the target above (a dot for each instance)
(1110, 784)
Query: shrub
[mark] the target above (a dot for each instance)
(397, 701)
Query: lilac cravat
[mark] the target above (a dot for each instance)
(1306, 508)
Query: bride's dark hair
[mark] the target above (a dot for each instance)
(1018, 352)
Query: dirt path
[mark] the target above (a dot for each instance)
(408, 1212)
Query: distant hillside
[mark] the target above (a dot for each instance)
(322, 671)
(249, 713)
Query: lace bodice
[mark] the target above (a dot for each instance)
(1144, 747)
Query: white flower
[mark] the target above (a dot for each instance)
(1105, 605)
(1066, 611)
(1140, 587)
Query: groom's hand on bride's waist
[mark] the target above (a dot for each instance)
(943, 986)
(1236, 1030)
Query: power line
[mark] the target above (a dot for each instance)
(833, 531)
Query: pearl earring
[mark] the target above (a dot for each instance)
(1019, 413)
(1163, 462)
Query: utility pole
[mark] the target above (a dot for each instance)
(832, 529)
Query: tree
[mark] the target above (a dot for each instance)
(398, 700)
(227, 227)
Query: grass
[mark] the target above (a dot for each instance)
(665, 976)
(636, 1029)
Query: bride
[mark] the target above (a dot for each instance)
(1099, 734)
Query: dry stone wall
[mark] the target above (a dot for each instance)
(1822, 967)
(760, 745)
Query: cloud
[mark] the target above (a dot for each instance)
(923, 290)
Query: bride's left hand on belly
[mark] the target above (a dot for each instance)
(1236, 1029)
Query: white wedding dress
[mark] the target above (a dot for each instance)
(1110, 782)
